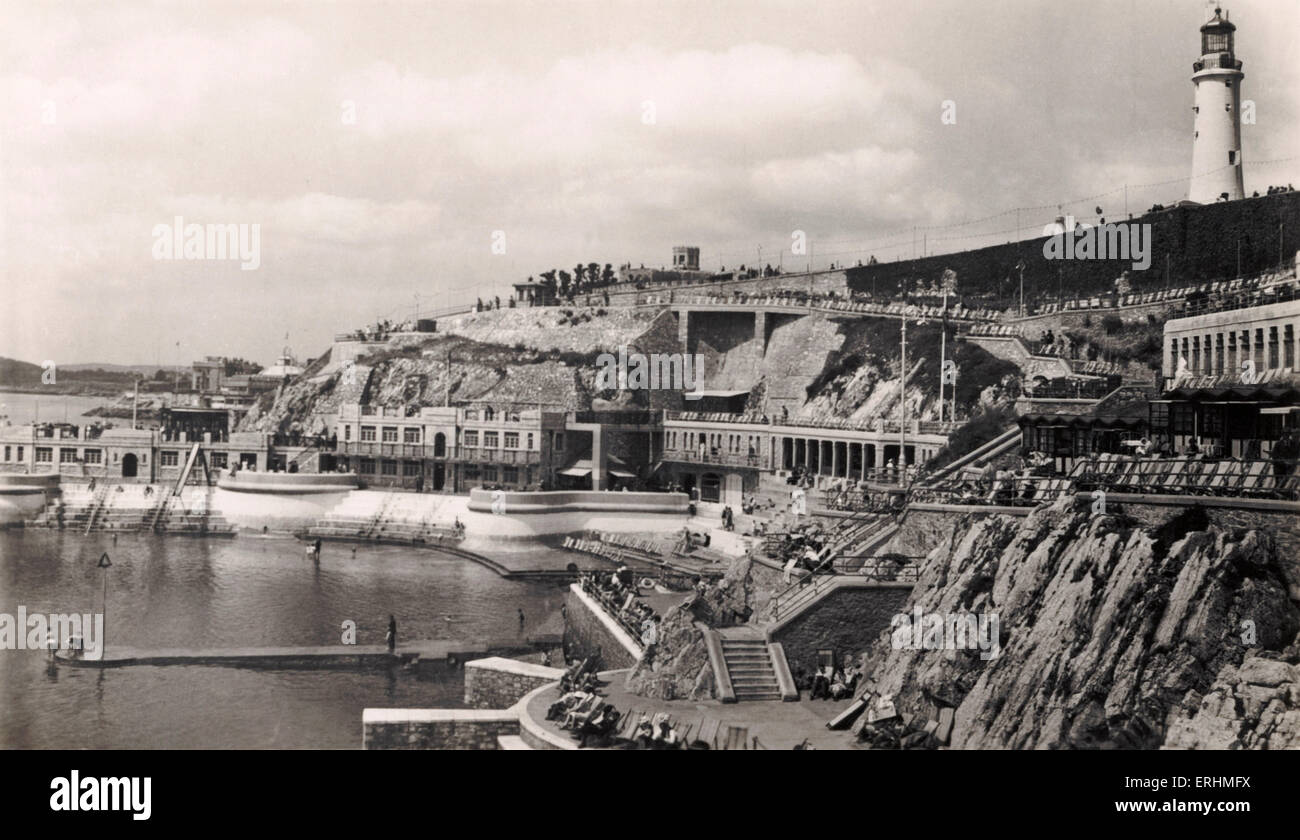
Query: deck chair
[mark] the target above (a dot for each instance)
(708, 733)
(627, 725)
(736, 738)
(689, 730)
(1152, 473)
(1288, 487)
(1175, 478)
(1252, 478)
(1227, 475)
(1125, 478)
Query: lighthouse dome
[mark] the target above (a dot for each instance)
(1219, 23)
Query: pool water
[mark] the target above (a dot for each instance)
(251, 591)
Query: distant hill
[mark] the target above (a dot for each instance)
(95, 379)
(147, 370)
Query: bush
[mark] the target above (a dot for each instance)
(1112, 324)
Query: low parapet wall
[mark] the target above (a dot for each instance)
(289, 483)
(19, 483)
(22, 496)
(497, 682)
(588, 629)
(563, 501)
(436, 729)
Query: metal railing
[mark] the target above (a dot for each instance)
(882, 570)
(617, 418)
(726, 459)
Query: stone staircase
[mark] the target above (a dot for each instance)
(127, 507)
(749, 665)
(389, 516)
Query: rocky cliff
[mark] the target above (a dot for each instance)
(1110, 635)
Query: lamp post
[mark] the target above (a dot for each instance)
(104, 564)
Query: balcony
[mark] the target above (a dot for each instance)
(480, 455)
(377, 449)
(725, 459)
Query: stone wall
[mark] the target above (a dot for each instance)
(847, 621)
(585, 634)
(436, 729)
(1201, 244)
(498, 683)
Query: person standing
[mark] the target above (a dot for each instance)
(391, 637)
(521, 622)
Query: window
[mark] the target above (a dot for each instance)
(510, 475)
(7, 453)
(388, 467)
(219, 460)
(511, 440)
(169, 458)
(347, 432)
(410, 435)
(471, 414)
(44, 455)
(471, 437)
(490, 440)
(530, 434)
(366, 466)
(490, 474)
(368, 434)
(67, 456)
(390, 434)
(559, 441)
(488, 413)
(94, 456)
(471, 472)
(20, 454)
(1184, 416)
(410, 468)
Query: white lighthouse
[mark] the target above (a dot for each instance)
(1216, 147)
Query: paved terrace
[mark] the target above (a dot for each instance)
(777, 725)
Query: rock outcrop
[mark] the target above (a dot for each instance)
(679, 666)
(1254, 706)
(1108, 632)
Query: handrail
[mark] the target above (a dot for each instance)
(876, 569)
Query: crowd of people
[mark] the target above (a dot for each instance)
(829, 682)
(617, 592)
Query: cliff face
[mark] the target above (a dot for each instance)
(1110, 634)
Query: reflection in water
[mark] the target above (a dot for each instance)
(247, 592)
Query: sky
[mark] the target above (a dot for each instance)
(401, 157)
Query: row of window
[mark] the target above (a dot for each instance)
(469, 437)
(735, 444)
(45, 455)
(411, 469)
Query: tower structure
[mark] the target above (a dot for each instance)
(1216, 144)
